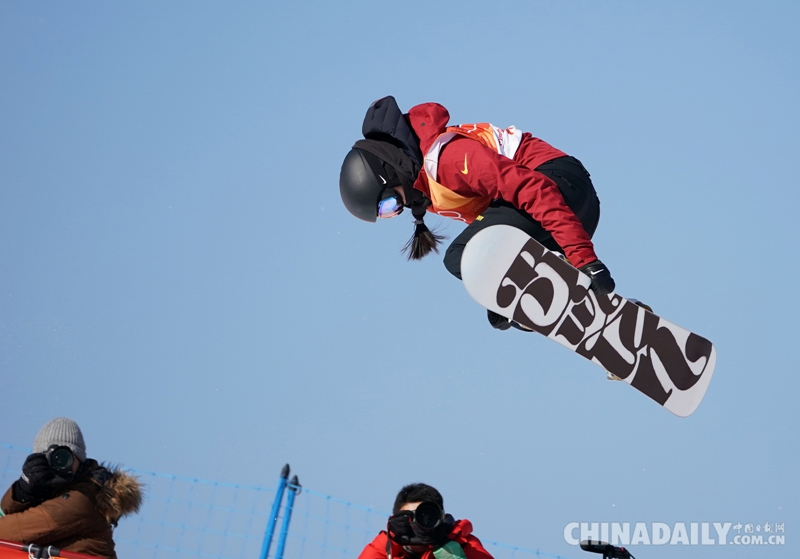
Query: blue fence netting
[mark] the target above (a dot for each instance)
(190, 517)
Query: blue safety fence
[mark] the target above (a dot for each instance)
(189, 517)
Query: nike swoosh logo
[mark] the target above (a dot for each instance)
(464, 170)
(595, 272)
(383, 179)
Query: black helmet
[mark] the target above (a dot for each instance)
(362, 181)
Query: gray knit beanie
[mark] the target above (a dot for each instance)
(61, 431)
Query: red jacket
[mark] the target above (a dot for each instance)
(461, 534)
(498, 177)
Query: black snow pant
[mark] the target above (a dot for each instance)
(575, 185)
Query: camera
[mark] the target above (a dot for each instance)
(426, 525)
(60, 459)
(427, 517)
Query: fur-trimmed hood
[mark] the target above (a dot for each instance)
(119, 493)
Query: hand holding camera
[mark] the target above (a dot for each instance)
(34, 483)
(399, 527)
(44, 472)
(426, 525)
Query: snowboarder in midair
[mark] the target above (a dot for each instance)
(478, 174)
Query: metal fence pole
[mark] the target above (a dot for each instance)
(294, 489)
(273, 517)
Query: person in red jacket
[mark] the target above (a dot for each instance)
(478, 174)
(420, 529)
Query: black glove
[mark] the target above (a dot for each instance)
(438, 536)
(36, 481)
(399, 527)
(602, 282)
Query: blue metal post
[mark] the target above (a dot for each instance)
(273, 517)
(294, 489)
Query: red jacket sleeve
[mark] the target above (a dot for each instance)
(491, 174)
(376, 549)
(472, 546)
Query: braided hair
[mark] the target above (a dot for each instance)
(424, 240)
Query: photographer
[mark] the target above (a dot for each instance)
(420, 529)
(65, 500)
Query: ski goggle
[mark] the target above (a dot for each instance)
(390, 204)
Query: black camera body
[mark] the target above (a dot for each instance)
(60, 459)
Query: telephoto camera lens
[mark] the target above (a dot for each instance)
(60, 458)
(428, 515)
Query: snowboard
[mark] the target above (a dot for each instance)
(510, 273)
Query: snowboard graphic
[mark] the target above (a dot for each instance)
(510, 273)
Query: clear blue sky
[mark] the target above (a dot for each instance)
(178, 274)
